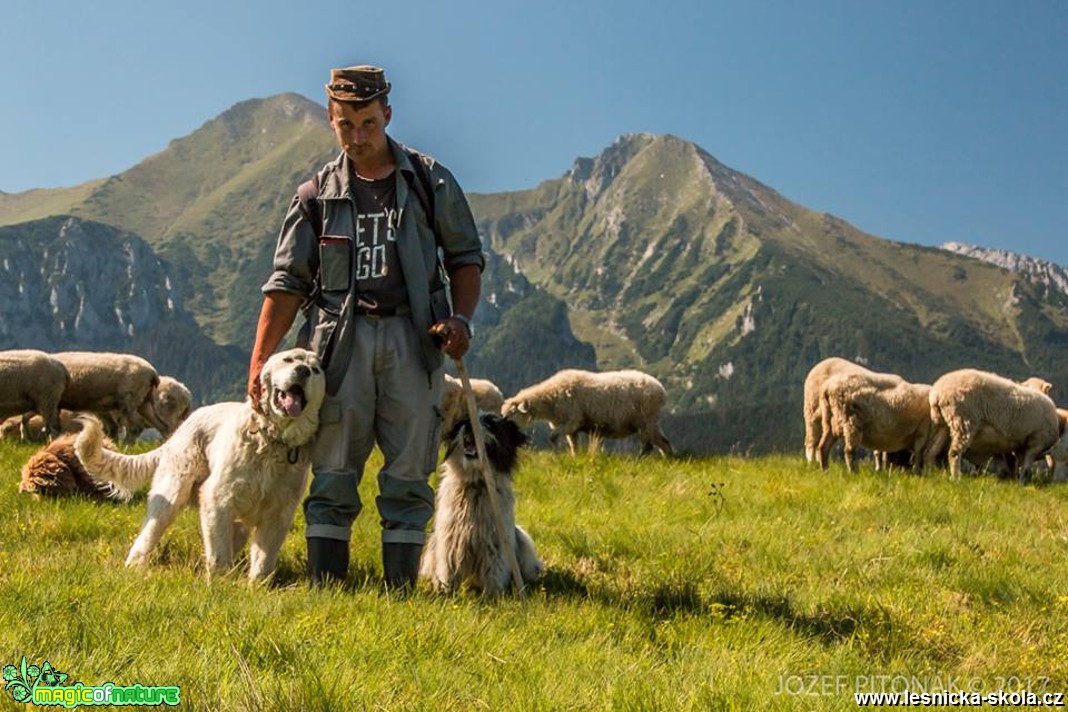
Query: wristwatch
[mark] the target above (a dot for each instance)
(467, 323)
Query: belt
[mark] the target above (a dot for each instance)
(380, 312)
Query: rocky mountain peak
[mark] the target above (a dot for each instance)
(596, 174)
(1036, 270)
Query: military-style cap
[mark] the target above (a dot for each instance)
(360, 83)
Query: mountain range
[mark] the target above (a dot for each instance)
(651, 255)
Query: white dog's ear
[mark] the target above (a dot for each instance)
(265, 388)
(522, 407)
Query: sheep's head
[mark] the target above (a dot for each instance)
(1038, 384)
(518, 410)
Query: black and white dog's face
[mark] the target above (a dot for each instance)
(503, 439)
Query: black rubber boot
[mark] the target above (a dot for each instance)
(328, 561)
(400, 565)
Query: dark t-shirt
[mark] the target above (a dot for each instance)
(379, 282)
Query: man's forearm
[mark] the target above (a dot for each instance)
(278, 313)
(465, 286)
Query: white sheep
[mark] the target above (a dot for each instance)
(102, 382)
(878, 411)
(31, 382)
(992, 416)
(1059, 469)
(171, 400)
(613, 404)
(37, 428)
(814, 381)
(488, 398)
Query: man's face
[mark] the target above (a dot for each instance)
(360, 131)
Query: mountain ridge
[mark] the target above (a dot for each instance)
(1036, 270)
(651, 254)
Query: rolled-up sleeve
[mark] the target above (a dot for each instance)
(456, 230)
(296, 257)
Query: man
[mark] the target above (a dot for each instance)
(362, 257)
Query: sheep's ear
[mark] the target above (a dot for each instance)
(522, 407)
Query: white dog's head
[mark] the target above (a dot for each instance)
(293, 388)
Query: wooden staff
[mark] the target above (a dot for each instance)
(507, 537)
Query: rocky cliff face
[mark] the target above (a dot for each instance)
(69, 284)
(1037, 271)
(86, 284)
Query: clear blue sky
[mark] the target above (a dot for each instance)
(915, 120)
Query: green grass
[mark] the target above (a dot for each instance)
(672, 585)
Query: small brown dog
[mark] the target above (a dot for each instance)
(56, 471)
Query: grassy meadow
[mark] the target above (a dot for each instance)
(691, 584)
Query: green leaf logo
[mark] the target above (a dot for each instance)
(51, 676)
(17, 683)
(22, 681)
(20, 693)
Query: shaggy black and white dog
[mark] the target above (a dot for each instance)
(465, 548)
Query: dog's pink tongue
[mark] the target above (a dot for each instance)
(291, 402)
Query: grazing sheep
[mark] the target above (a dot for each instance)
(813, 383)
(879, 411)
(614, 404)
(488, 398)
(37, 428)
(172, 402)
(991, 416)
(102, 382)
(1000, 465)
(31, 382)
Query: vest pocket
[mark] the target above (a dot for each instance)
(335, 263)
(439, 305)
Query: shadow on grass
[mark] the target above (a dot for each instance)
(564, 583)
(828, 626)
(672, 599)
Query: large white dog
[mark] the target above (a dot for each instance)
(248, 470)
(465, 548)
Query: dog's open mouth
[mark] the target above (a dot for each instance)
(290, 401)
(470, 449)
